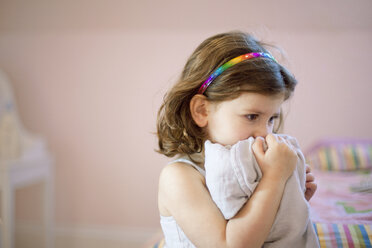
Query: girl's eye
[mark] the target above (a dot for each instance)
(252, 117)
(273, 118)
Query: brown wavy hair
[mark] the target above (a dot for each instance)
(176, 130)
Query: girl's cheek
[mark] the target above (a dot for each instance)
(245, 134)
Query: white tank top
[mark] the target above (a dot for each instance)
(173, 235)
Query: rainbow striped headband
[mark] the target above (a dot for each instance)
(229, 64)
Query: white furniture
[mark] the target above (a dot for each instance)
(24, 160)
(34, 166)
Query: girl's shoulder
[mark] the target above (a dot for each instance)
(179, 172)
(176, 180)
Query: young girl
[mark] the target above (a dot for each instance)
(239, 100)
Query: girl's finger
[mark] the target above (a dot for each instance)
(258, 147)
(271, 139)
(310, 190)
(287, 142)
(310, 177)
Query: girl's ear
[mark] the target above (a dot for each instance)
(199, 110)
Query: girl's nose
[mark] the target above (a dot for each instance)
(262, 131)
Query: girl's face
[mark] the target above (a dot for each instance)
(249, 115)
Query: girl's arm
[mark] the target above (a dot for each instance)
(182, 194)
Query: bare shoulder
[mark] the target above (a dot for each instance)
(173, 173)
(175, 180)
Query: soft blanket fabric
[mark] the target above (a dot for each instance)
(232, 175)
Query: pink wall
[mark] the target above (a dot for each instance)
(90, 77)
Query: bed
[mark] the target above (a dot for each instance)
(341, 209)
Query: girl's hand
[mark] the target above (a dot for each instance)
(280, 158)
(311, 186)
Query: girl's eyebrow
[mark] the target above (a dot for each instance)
(254, 111)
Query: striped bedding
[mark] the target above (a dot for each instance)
(341, 155)
(341, 209)
(333, 235)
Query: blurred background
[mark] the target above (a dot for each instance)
(89, 77)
